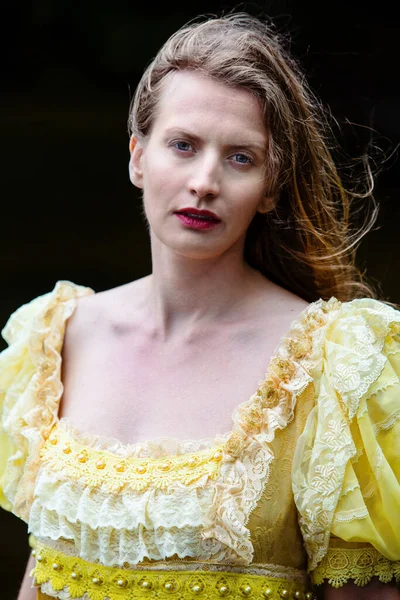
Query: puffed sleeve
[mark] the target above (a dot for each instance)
(30, 389)
(346, 469)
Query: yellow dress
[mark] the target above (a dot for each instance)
(305, 487)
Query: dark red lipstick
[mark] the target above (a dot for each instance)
(197, 219)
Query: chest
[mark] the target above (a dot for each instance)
(127, 386)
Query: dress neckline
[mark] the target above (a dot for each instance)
(235, 473)
(287, 372)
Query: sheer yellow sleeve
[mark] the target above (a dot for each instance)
(346, 471)
(30, 389)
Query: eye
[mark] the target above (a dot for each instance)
(182, 146)
(242, 159)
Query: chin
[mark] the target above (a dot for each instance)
(196, 253)
(194, 245)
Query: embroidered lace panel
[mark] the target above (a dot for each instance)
(99, 468)
(358, 564)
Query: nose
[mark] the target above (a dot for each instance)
(204, 181)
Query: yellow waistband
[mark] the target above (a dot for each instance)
(79, 577)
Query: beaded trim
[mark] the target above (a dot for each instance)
(101, 468)
(97, 582)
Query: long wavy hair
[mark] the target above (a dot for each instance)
(307, 243)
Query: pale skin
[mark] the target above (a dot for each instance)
(201, 317)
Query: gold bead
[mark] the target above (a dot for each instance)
(165, 466)
(53, 439)
(223, 590)
(196, 589)
(120, 467)
(121, 583)
(284, 593)
(74, 575)
(217, 456)
(33, 553)
(246, 590)
(55, 566)
(268, 592)
(145, 584)
(297, 594)
(96, 580)
(192, 462)
(309, 596)
(101, 463)
(142, 469)
(66, 448)
(82, 456)
(168, 586)
(39, 558)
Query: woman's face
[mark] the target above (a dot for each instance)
(206, 152)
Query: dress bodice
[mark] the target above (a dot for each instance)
(308, 469)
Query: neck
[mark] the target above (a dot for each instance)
(184, 293)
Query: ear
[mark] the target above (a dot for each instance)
(267, 204)
(135, 162)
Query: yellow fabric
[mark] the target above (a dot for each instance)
(346, 468)
(312, 456)
(30, 389)
(273, 524)
(101, 468)
(99, 582)
(357, 562)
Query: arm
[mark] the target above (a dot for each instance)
(374, 590)
(26, 592)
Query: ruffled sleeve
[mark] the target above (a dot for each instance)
(346, 469)
(30, 389)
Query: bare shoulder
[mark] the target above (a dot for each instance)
(280, 304)
(96, 315)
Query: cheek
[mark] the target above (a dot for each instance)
(248, 196)
(159, 175)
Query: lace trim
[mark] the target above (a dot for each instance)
(30, 381)
(185, 564)
(58, 574)
(347, 516)
(155, 448)
(392, 342)
(244, 468)
(109, 545)
(247, 457)
(353, 361)
(359, 564)
(387, 424)
(97, 468)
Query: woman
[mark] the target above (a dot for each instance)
(127, 465)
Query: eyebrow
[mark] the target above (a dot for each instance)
(251, 145)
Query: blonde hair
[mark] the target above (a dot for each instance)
(307, 243)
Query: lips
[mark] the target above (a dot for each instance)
(195, 213)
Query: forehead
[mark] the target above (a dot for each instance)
(193, 99)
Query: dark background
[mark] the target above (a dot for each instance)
(68, 210)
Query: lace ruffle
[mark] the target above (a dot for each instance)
(245, 469)
(30, 387)
(188, 564)
(125, 527)
(339, 465)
